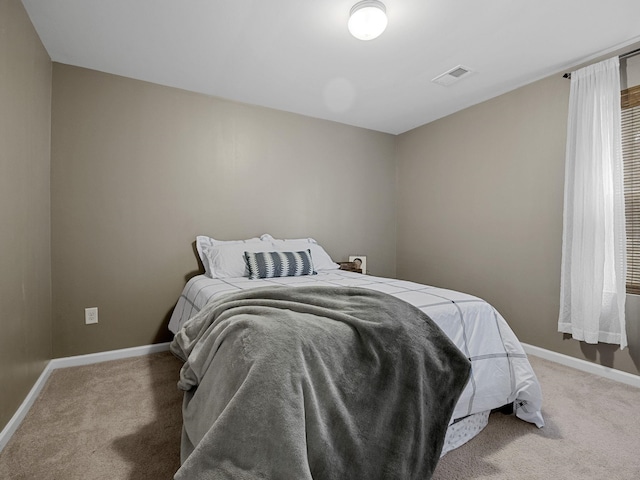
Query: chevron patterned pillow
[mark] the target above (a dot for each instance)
(279, 264)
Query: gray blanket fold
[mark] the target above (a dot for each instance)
(315, 383)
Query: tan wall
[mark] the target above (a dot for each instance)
(25, 258)
(138, 170)
(480, 210)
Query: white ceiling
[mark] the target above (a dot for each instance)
(297, 55)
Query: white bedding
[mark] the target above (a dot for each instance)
(501, 373)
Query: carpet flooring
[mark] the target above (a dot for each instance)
(122, 420)
(112, 420)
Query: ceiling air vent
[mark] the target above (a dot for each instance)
(452, 76)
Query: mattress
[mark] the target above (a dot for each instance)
(463, 430)
(501, 373)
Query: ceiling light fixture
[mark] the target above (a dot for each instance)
(368, 19)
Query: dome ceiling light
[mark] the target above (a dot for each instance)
(368, 19)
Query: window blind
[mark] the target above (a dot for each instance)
(630, 103)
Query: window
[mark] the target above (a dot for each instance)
(630, 102)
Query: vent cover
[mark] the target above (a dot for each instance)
(452, 76)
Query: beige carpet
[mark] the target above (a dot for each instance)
(112, 420)
(121, 420)
(592, 432)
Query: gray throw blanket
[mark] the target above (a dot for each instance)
(315, 383)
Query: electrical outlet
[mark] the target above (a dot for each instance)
(91, 315)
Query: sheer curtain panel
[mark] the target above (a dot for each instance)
(594, 259)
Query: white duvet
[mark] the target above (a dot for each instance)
(501, 373)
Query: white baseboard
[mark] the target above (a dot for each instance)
(90, 358)
(583, 365)
(18, 417)
(16, 420)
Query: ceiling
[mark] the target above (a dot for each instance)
(298, 56)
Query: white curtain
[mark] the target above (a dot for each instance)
(594, 257)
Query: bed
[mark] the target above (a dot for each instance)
(500, 374)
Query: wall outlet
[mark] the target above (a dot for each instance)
(91, 315)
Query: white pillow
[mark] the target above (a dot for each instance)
(203, 244)
(227, 260)
(321, 259)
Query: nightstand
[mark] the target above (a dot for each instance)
(349, 267)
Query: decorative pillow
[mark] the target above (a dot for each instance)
(279, 264)
(204, 245)
(321, 259)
